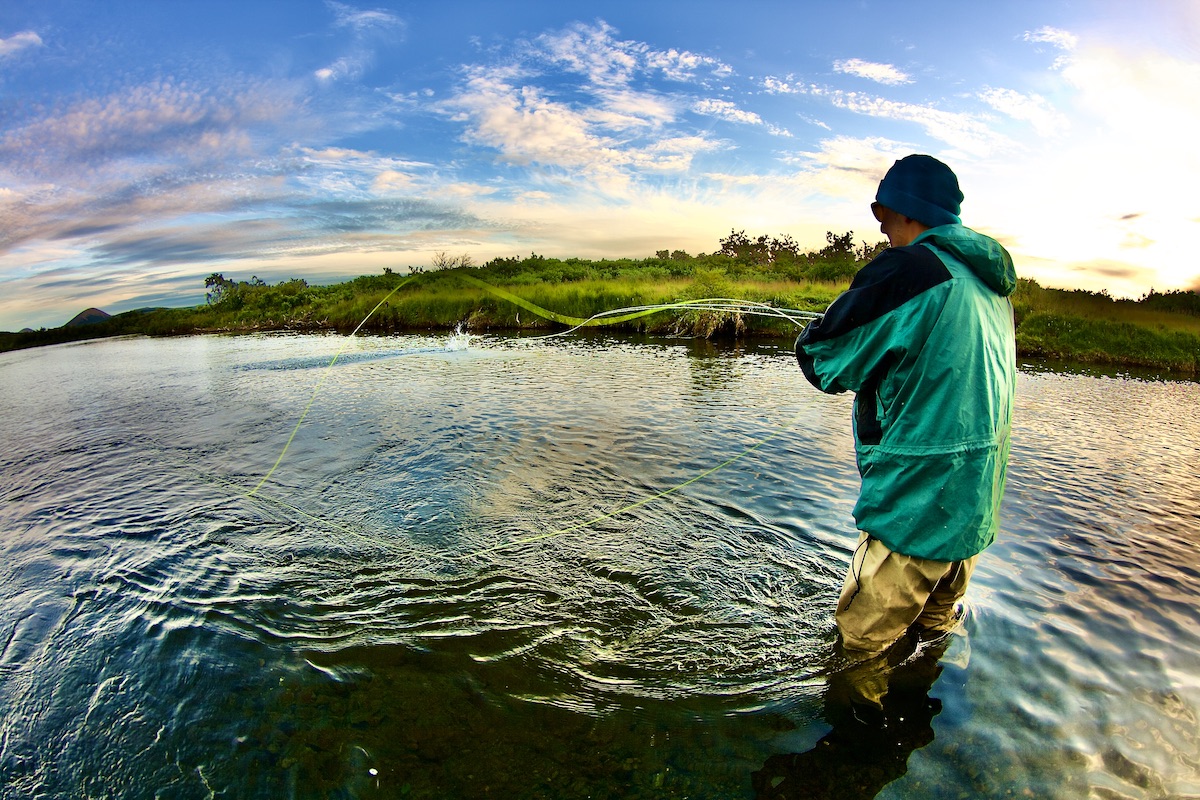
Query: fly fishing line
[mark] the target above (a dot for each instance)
(320, 383)
(610, 317)
(619, 315)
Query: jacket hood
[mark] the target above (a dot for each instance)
(986, 257)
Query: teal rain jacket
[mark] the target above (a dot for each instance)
(924, 338)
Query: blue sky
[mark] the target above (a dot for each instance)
(145, 145)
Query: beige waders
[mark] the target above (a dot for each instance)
(887, 593)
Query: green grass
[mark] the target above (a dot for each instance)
(1095, 328)
(1160, 331)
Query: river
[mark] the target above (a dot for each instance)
(572, 567)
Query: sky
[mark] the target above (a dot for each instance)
(146, 145)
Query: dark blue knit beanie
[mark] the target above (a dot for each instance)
(922, 188)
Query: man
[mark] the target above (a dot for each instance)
(924, 338)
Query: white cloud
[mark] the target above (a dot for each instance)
(1058, 38)
(1031, 108)
(682, 65)
(672, 155)
(849, 168)
(881, 73)
(723, 109)
(344, 172)
(359, 160)
(345, 68)
(609, 127)
(465, 190)
(346, 16)
(1063, 40)
(370, 29)
(391, 181)
(786, 86)
(18, 42)
(164, 121)
(527, 128)
(962, 131)
(593, 51)
(609, 134)
(634, 109)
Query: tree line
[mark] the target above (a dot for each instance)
(1159, 329)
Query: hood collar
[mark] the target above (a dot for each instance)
(986, 257)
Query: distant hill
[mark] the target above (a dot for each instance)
(89, 317)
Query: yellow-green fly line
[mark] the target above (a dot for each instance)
(320, 383)
(619, 315)
(612, 317)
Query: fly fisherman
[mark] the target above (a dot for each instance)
(924, 338)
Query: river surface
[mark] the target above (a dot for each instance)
(557, 568)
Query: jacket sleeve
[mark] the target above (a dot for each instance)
(859, 335)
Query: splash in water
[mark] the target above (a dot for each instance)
(460, 340)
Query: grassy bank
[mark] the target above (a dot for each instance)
(1160, 331)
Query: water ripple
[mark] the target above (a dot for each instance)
(455, 571)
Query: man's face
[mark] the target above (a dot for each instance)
(898, 228)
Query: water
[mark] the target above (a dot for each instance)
(411, 607)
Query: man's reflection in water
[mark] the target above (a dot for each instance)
(880, 711)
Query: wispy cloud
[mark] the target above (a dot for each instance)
(1063, 40)
(786, 85)
(370, 29)
(163, 174)
(629, 108)
(162, 148)
(1031, 108)
(961, 130)
(361, 174)
(592, 51)
(730, 112)
(880, 73)
(527, 127)
(848, 167)
(964, 131)
(164, 119)
(685, 66)
(595, 51)
(18, 42)
(346, 16)
(1057, 38)
(723, 109)
(608, 125)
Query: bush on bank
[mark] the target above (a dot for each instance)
(1159, 331)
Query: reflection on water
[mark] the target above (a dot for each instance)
(869, 744)
(412, 607)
